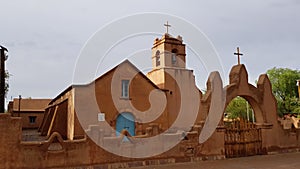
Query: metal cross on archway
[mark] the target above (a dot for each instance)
(238, 54)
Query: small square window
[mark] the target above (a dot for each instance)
(125, 89)
(101, 117)
(32, 119)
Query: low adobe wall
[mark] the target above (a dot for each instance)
(56, 152)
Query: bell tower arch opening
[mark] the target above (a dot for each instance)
(157, 58)
(174, 56)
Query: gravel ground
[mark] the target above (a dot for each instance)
(277, 161)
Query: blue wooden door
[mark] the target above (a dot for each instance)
(125, 121)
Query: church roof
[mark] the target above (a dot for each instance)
(133, 66)
(105, 74)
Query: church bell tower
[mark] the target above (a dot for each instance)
(170, 74)
(168, 53)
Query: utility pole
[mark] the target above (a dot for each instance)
(247, 108)
(3, 58)
(298, 84)
(20, 98)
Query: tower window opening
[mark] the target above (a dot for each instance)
(174, 53)
(173, 58)
(157, 56)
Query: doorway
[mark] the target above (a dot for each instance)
(242, 136)
(125, 121)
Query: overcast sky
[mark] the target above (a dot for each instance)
(44, 38)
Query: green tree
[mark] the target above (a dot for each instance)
(6, 82)
(284, 88)
(237, 108)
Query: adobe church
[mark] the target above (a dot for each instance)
(123, 96)
(101, 124)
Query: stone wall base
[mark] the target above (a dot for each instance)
(284, 150)
(147, 162)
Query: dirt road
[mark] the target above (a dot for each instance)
(278, 161)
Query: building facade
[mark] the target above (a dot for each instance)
(30, 110)
(125, 118)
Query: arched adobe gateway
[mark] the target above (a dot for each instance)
(239, 86)
(261, 100)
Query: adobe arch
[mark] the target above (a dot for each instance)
(262, 101)
(260, 98)
(239, 86)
